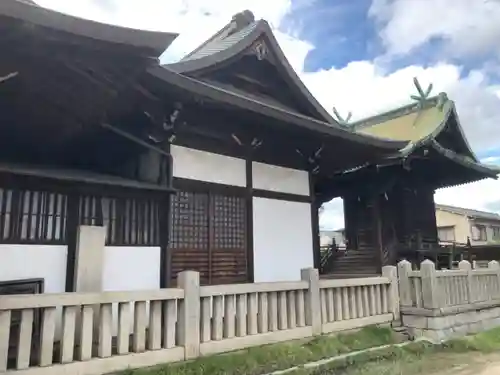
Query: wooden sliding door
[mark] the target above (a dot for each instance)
(209, 235)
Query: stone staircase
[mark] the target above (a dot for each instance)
(351, 263)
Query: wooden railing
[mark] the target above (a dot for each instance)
(96, 333)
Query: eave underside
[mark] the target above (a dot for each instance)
(433, 167)
(60, 88)
(284, 142)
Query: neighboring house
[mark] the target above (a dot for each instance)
(327, 235)
(456, 224)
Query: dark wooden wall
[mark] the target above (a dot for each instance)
(390, 225)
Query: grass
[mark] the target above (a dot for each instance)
(264, 359)
(413, 359)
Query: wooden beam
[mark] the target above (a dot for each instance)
(133, 138)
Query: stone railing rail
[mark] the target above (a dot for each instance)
(96, 333)
(431, 289)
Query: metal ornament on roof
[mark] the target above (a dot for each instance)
(421, 99)
(341, 120)
(422, 96)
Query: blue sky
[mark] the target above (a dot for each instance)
(340, 32)
(357, 55)
(343, 31)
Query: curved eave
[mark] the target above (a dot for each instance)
(218, 94)
(262, 28)
(489, 172)
(460, 129)
(155, 42)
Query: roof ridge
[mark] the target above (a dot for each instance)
(238, 22)
(397, 112)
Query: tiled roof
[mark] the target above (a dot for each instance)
(469, 212)
(221, 43)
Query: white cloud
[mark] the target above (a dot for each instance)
(194, 20)
(467, 26)
(361, 87)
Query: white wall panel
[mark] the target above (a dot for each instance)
(208, 167)
(279, 179)
(46, 262)
(131, 268)
(282, 239)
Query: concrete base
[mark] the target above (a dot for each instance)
(438, 328)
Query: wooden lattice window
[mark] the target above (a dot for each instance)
(229, 222)
(37, 217)
(189, 221)
(208, 235)
(128, 221)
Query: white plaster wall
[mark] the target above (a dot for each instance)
(282, 239)
(47, 262)
(279, 179)
(131, 268)
(208, 167)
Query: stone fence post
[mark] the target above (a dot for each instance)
(188, 322)
(466, 266)
(494, 265)
(429, 284)
(391, 273)
(312, 299)
(404, 268)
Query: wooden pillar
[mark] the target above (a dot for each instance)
(249, 217)
(315, 224)
(377, 226)
(164, 207)
(72, 222)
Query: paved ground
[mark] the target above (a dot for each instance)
(478, 365)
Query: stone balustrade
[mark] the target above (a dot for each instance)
(353, 303)
(96, 333)
(441, 304)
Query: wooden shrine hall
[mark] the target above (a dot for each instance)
(217, 163)
(389, 203)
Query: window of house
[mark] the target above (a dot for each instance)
(479, 233)
(446, 234)
(496, 233)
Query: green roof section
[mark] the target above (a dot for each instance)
(412, 125)
(420, 123)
